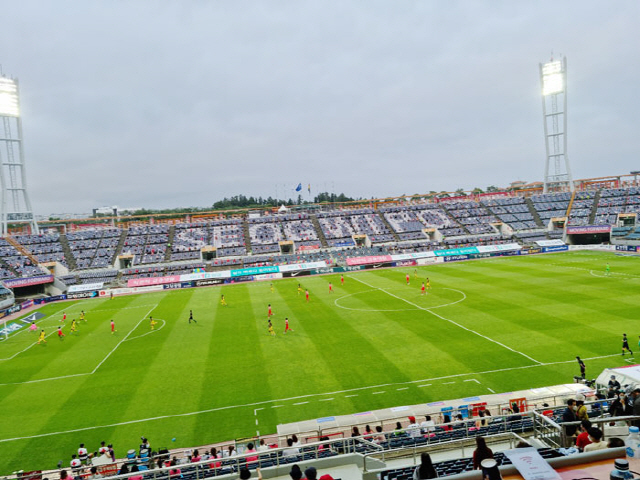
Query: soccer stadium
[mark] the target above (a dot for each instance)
(461, 333)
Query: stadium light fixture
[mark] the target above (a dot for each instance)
(552, 78)
(9, 105)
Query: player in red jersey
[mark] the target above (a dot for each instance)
(113, 327)
(408, 279)
(330, 287)
(423, 289)
(306, 294)
(286, 325)
(60, 334)
(64, 316)
(270, 312)
(342, 280)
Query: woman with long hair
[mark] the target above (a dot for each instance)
(481, 452)
(426, 469)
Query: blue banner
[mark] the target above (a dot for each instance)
(456, 251)
(560, 248)
(253, 271)
(456, 258)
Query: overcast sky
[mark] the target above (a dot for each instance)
(162, 104)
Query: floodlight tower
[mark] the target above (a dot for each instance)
(15, 206)
(553, 77)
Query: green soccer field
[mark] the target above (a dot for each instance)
(509, 323)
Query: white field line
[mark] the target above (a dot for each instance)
(450, 321)
(472, 380)
(75, 374)
(149, 332)
(491, 390)
(123, 340)
(30, 346)
(335, 302)
(422, 386)
(301, 403)
(43, 319)
(266, 402)
(448, 383)
(349, 396)
(326, 399)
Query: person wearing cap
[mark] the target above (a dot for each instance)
(311, 473)
(595, 435)
(613, 383)
(295, 473)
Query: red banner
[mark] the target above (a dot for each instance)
(145, 282)
(366, 260)
(308, 247)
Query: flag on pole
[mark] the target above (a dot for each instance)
(299, 187)
(309, 189)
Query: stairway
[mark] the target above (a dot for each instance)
(594, 209)
(247, 237)
(388, 225)
(21, 249)
(167, 253)
(123, 237)
(534, 213)
(319, 232)
(573, 197)
(71, 260)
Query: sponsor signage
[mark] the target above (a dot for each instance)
(211, 281)
(560, 248)
(55, 298)
(456, 258)
(82, 295)
(145, 282)
(586, 229)
(253, 271)
(269, 276)
(85, 288)
(371, 259)
(302, 266)
(550, 243)
(302, 248)
(26, 282)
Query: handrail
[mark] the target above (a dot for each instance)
(512, 436)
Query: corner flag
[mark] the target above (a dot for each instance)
(299, 187)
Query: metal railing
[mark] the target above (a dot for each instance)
(464, 444)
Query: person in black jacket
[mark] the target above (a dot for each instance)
(569, 415)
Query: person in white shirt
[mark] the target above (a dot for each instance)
(82, 453)
(428, 425)
(413, 430)
(263, 446)
(291, 451)
(595, 435)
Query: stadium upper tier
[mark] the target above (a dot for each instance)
(252, 240)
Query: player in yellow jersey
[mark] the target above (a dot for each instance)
(299, 289)
(415, 273)
(74, 328)
(428, 283)
(223, 302)
(152, 323)
(272, 332)
(82, 317)
(41, 338)
(271, 287)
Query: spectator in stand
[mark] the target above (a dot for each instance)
(615, 443)
(311, 473)
(174, 472)
(583, 438)
(426, 469)
(446, 420)
(399, 431)
(195, 457)
(481, 422)
(355, 432)
(103, 448)
(124, 470)
(595, 435)
(368, 432)
(75, 463)
(619, 407)
(296, 442)
(569, 415)
(83, 455)
(263, 446)
(245, 473)
(581, 408)
(137, 475)
(380, 437)
(291, 451)
(635, 395)
(615, 384)
(65, 476)
(94, 474)
(251, 449)
(295, 473)
(428, 425)
(112, 452)
(481, 452)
